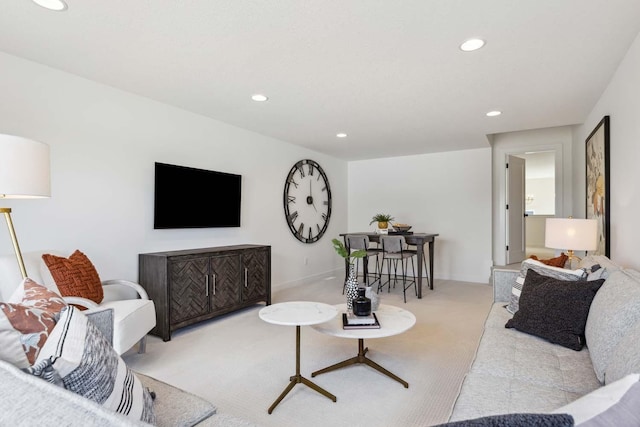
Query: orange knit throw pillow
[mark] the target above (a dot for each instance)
(558, 261)
(75, 276)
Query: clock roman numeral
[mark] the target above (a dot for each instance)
(301, 229)
(310, 169)
(324, 217)
(293, 216)
(310, 234)
(326, 203)
(324, 188)
(318, 225)
(291, 181)
(302, 175)
(291, 199)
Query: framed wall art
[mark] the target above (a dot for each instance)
(597, 184)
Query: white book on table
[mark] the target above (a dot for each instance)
(352, 319)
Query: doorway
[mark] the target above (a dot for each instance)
(557, 140)
(539, 200)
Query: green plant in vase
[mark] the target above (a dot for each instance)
(382, 220)
(344, 253)
(351, 285)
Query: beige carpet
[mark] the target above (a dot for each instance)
(241, 364)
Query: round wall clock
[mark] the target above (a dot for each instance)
(307, 201)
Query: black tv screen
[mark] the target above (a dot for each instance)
(195, 198)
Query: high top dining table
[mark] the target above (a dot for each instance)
(417, 239)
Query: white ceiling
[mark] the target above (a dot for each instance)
(387, 72)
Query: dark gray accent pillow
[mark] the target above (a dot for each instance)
(554, 309)
(516, 420)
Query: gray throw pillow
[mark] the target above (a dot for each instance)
(554, 309)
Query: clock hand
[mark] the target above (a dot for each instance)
(311, 198)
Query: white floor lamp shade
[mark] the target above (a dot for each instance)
(24, 173)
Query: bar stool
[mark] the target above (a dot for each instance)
(355, 242)
(394, 250)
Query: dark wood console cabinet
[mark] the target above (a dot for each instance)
(189, 286)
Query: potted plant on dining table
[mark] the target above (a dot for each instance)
(382, 220)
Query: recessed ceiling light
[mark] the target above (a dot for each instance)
(259, 97)
(341, 135)
(471, 45)
(494, 113)
(56, 5)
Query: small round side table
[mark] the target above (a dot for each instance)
(298, 313)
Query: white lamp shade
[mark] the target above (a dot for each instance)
(24, 168)
(571, 234)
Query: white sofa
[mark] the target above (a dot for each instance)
(134, 312)
(514, 372)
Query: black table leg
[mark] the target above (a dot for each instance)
(432, 243)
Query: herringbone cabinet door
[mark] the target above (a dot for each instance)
(188, 288)
(225, 271)
(256, 263)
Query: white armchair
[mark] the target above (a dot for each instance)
(134, 314)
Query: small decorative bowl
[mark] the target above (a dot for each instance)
(401, 227)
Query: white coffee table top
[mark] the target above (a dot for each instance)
(393, 320)
(298, 313)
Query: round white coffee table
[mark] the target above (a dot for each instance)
(393, 321)
(298, 313)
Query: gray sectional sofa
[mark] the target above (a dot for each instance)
(514, 372)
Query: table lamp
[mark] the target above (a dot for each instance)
(572, 234)
(24, 174)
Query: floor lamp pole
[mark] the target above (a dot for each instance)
(14, 240)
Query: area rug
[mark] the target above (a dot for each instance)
(241, 364)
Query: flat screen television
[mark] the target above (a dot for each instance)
(195, 198)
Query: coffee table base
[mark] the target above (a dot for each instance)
(361, 358)
(299, 379)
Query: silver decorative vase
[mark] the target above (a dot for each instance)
(373, 296)
(351, 287)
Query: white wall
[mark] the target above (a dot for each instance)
(621, 101)
(544, 195)
(540, 182)
(447, 193)
(104, 143)
(557, 139)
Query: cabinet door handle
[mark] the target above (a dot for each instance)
(246, 273)
(206, 284)
(214, 283)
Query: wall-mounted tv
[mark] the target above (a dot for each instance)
(195, 198)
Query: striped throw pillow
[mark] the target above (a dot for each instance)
(78, 357)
